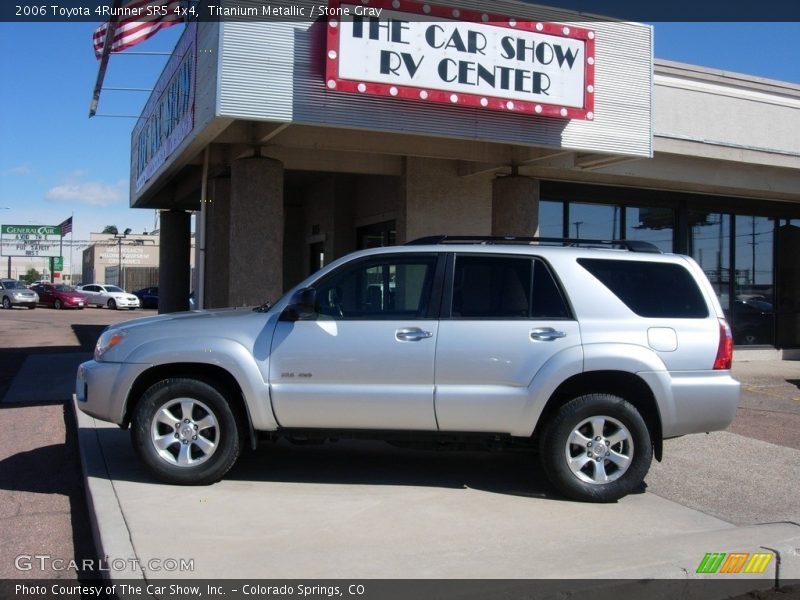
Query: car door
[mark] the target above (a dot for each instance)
(102, 296)
(90, 291)
(503, 318)
(365, 358)
(46, 295)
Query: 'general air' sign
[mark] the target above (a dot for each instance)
(30, 240)
(427, 53)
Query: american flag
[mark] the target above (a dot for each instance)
(131, 30)
(66, 227)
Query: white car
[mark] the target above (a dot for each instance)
(98, 294)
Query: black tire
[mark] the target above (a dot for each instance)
(57, 304)
(228, 434)
(6, 303)
(112, 304)
(31, 307)
(131, 308)
(585, 483)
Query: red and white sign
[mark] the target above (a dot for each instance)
(428, 53)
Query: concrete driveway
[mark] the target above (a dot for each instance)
(367, 510)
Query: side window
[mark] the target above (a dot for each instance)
(650, 289)
(548, 301)
(387, 288)
(505, 287)
(491, 287)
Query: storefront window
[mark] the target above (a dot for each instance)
(551, 219)
(377, 235)
(709, 245)
(594, 221)
(754, 296)
(649, 224)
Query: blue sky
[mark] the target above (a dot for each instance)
(55, 161)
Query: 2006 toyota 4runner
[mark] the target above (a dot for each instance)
(592, 355)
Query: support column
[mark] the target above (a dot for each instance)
(440, 202)
(173, 256)
(515, 206)
(256, 232)
(218, 235)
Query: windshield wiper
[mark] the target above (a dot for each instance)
(264, 307)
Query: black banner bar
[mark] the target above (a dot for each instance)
(33, 11)
(706, 588)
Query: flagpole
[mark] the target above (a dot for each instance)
(101, 71)
(71, 244)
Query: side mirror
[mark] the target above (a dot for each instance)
(302, 306)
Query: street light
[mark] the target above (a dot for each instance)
(119, 238)
(9, 258)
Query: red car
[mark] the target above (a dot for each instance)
(59, 296)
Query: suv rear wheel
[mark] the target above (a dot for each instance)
(597, 448)
(185, 432)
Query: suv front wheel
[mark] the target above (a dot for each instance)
(185, 432)
(597, 448)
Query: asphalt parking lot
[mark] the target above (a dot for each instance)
(370, 510)
(43, 508)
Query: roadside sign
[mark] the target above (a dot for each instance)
(30, 240)
(58, 263)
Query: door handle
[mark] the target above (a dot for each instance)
(546, 334)
(411, 334)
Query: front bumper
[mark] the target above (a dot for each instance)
(127, 302)
(102, 388)
(24, 300)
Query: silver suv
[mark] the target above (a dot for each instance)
(590, 352)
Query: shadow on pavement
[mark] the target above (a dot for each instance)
(12, 359)
(87, 335)
(55, 469)
(514, 473)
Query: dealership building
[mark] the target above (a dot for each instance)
(299, 139)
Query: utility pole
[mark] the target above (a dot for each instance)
(119, 237)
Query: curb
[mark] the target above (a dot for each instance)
(112, 538)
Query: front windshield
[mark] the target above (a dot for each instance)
(113, 288)
(14, 285)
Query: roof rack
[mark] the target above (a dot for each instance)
(631, 245)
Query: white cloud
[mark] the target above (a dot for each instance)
(21, 170)
(93, 193)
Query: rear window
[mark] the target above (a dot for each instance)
(650, 289)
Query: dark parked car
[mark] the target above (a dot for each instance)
(148, 297)
(752, 322)
(59, 296)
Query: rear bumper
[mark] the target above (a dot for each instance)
(694, 401)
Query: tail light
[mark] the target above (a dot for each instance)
(725, 348)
